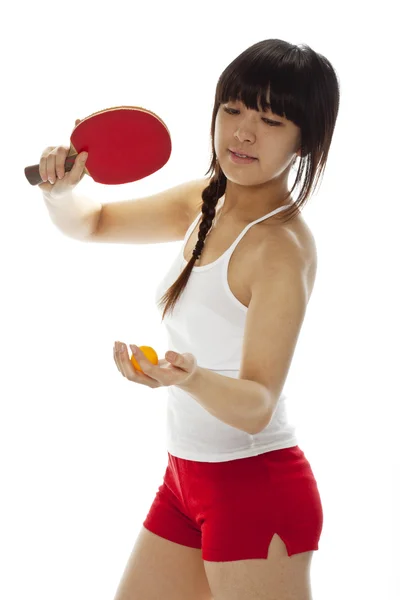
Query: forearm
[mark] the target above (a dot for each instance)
(75, 215)
(238, 402)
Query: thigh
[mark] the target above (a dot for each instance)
(159, 568)
(278, 577)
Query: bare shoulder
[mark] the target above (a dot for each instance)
(292, 241)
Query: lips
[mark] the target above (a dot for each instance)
(242, 153)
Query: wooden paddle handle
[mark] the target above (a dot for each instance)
(32, 172)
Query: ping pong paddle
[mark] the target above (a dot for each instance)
(124, 144)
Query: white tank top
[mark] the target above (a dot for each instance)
(209, 321)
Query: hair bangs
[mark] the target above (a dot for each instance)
(249, 79)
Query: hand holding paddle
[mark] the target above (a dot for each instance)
(124, 144)
(52, 168)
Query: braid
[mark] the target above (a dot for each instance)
(210, 195)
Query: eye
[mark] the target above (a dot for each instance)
(232, 111)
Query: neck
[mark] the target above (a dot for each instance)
(223, 209)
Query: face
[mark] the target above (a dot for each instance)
(271, 139)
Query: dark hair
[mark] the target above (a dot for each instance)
(304, 88)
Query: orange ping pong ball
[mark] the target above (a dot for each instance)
(149, 353)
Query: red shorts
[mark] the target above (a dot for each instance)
(231, 510)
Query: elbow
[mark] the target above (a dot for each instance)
(264, 414)
(260, 427)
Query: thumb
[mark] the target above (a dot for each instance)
(80, 160)
(78, 168)
(186, 361)
(172, 357)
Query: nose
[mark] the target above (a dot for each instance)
(245, 131)
(244, 138)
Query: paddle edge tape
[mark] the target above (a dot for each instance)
(104, 110)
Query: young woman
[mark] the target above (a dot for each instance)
(238, 515)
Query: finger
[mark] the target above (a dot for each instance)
(126, 367)
(173, 357)
(62, 153)
(43, 162)
(144, 363)
(78, 169)
(51, 167)
(149, 370)
(117, 361)
(120, 359)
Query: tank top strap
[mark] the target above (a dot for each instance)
(245, 230)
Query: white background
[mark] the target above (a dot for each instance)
(83, 449)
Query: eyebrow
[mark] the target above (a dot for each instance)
(267, 104)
